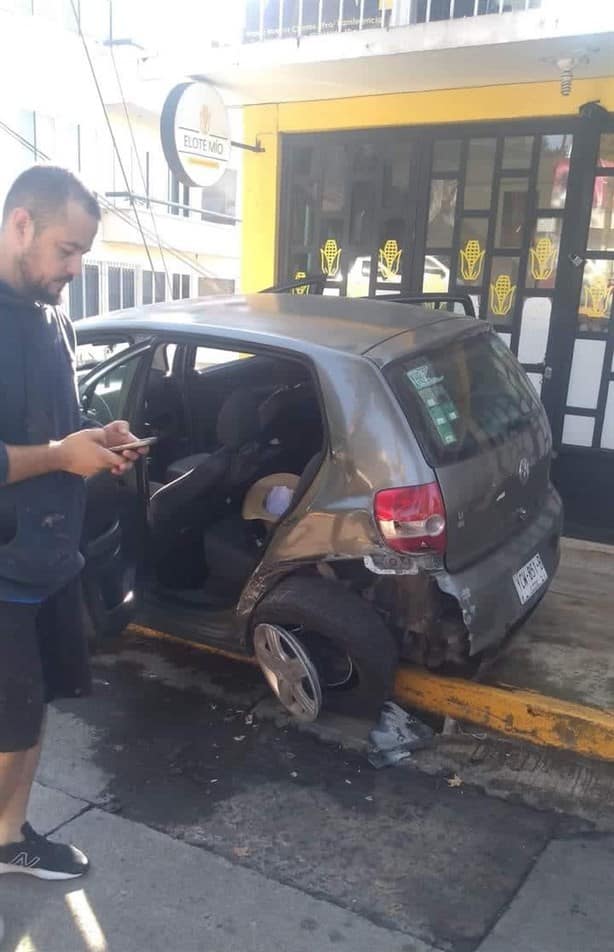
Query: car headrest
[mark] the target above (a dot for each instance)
(282, 408)
(238, 423)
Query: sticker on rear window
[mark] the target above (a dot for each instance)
(436, 399)
(421, 377)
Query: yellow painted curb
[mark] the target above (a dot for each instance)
(145, 632)
(525, 715)
(543, 720)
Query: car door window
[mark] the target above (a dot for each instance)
(92, 353)
(206, 358)
(107, 398)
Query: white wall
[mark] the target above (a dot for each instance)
(47, 93)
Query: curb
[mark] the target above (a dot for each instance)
(519, 714)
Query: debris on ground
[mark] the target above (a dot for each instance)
(454, 781)
(242, 852)
(396, 735)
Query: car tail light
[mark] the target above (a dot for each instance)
(412, 519)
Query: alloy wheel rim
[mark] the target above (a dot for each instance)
(289, 671)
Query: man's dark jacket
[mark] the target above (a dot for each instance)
(40, 518)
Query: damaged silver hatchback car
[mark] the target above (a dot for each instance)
(336, 485)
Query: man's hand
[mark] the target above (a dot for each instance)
(85, 453)
(116, 434)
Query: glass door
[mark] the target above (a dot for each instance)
(349, 211)
(496, 208)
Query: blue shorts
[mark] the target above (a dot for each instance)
(43, 655)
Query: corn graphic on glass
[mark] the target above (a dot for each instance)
(471, 260)
(304, 289)
(390, 259)
(542, 257)
(502, 293)
(597, 298)
(330, 255)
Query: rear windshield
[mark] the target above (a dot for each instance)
(464, 397)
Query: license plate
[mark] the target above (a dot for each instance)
(530, 578)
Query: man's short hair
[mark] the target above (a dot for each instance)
(45, 191)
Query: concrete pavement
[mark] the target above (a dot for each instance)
(566, 903)
(213, 828)
(148, 891)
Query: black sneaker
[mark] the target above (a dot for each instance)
(37, 856)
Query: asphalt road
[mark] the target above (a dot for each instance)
(169, 740)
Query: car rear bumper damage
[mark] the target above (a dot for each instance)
(486, 592)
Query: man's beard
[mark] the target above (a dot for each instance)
(35, 292)
(44, 296)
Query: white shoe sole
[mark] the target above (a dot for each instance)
(48, 874)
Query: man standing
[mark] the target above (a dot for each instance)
(49, 222)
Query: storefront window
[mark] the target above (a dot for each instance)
(480, 167)
(362, 212)
(446, 155)
(359, 273)
(544, 253)
(597, 296)
(503, 290)
(436, 274)
(511, 212)
(331, 253)
(335, 177)
(517, 152)
(601, 230)
(302, 160)
(442, 211)
(366, 161)
(606, 152)
(472, 254)
(301, 265)
(534, 330)
(553, 171)
(303, 215)
(391, 253)
(396, 178)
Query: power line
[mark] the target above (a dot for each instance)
(136, 152)
(110, 128)
(108, 206)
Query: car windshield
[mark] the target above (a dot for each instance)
(463, 397)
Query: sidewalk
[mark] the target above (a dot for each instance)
(148, 891)
(565, 904)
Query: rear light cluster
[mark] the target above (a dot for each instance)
(412, 519)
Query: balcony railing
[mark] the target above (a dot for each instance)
(279, 19)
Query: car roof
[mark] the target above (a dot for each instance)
(290, 321)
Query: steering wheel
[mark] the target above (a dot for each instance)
(99, 408)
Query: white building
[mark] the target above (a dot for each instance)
(50, 108)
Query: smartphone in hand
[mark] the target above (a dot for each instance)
(135, 445)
